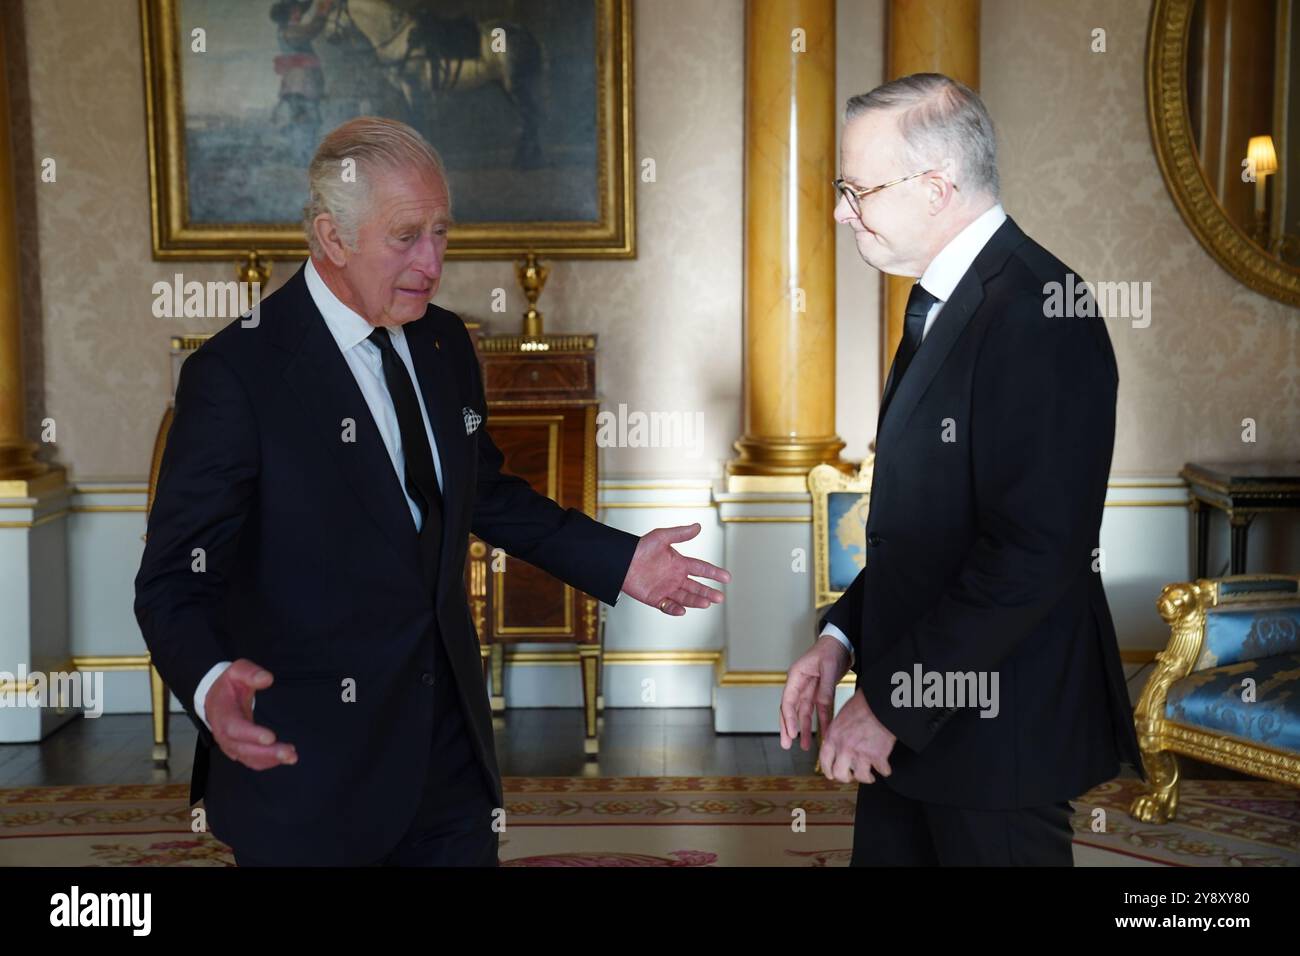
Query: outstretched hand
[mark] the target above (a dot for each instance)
(228, 709)
(664, 579)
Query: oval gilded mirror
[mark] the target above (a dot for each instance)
(1223, 101)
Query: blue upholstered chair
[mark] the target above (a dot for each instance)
(1226, 690)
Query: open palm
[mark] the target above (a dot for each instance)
(664, 579)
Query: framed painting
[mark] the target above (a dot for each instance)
(527, 101)
(840, 504)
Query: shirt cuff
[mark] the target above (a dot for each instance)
(830, 630)
(205, 685)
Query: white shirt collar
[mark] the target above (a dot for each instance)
(946, 269)
(347, 327)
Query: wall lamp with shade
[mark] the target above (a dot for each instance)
(1262, 161)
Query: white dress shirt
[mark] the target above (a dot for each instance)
(351, 333)
(939, 279)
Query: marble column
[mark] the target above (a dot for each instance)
(791, 158)
(33, 495)
(790, 161)
(17, 459)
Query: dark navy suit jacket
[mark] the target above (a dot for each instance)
(992, 457)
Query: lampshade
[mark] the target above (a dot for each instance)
(1262, 155)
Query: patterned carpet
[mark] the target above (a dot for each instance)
(664, 821)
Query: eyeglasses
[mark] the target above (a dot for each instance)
(854, 196)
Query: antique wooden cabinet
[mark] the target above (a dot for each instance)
(541, 393)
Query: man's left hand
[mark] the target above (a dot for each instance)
(856, 744)
(661, 578)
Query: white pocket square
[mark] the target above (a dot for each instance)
(472, 420)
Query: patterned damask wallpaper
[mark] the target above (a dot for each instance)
(669, 321)
(1078, 169)
(1080, 176)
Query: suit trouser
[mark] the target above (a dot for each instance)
(893, 830)
(453, 825)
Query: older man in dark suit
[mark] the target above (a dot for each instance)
(325, 467)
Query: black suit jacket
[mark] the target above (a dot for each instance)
(313, 572)
(981, 548)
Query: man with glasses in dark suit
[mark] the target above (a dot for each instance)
(993, 450)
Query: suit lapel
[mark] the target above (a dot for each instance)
(323, 382)
(437, 384)
(888, 392)
(901, 397)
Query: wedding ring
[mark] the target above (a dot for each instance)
(661, 605)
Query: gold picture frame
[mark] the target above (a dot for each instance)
(176, 235)
(824, 481)
(1169, 117)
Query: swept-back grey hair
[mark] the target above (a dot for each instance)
(373, 144)
(940, 118)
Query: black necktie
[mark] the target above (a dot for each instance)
(918, 307)
(421, 479)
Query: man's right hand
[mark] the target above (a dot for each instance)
(228, 708)
(811, 682)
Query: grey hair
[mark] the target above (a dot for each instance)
(373, 144)
(940, 118)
